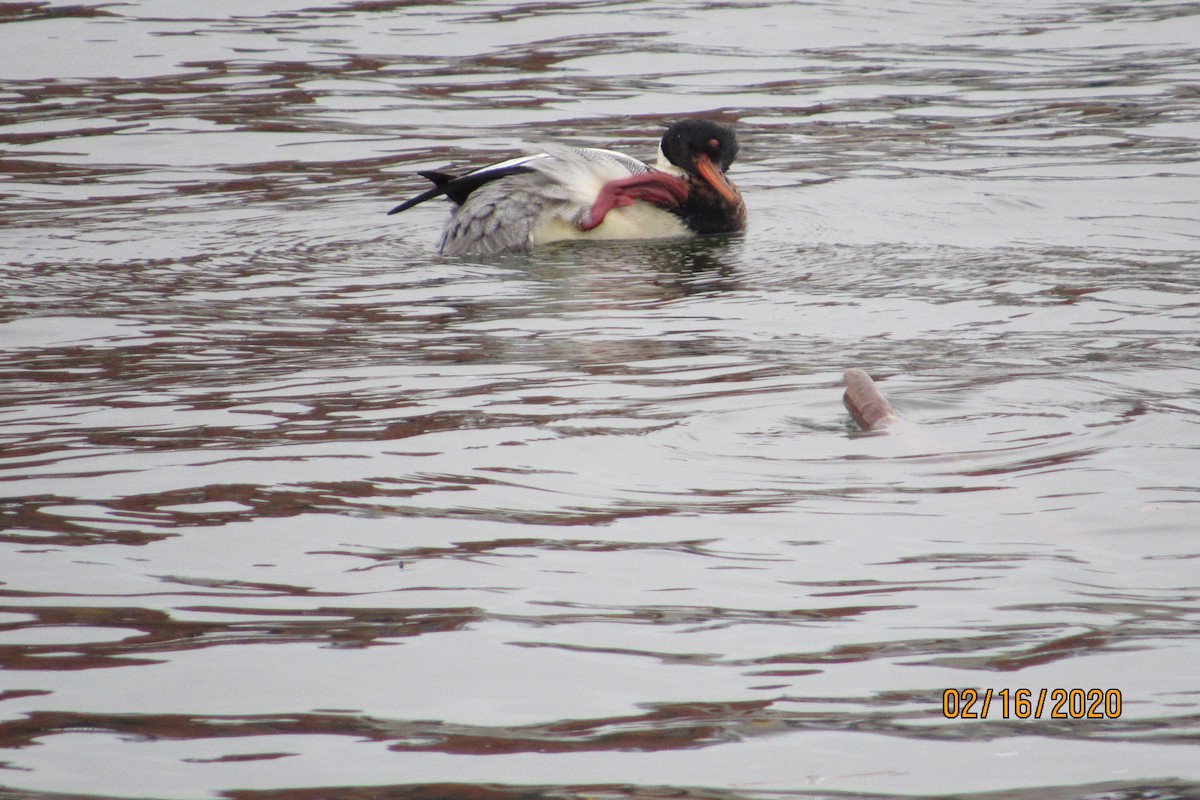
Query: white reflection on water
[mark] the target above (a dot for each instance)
(289, 502)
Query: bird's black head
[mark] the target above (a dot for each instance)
(687, 141)
(704, 150)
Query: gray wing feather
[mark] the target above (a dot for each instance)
(496, 218)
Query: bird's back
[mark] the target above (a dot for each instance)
(557, 184)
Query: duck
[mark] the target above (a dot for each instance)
(557, 192)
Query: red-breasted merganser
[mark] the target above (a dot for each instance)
(558, 192)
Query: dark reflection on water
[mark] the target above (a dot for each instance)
(291, 507)
(664, 727)
(1160, 790)
(1109, 791)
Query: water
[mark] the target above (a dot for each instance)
(294, 508)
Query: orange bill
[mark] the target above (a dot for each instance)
(711, 173)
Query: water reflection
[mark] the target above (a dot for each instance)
(293, 507)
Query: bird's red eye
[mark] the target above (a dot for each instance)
(713, 144)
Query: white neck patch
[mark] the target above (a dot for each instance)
(666, 166)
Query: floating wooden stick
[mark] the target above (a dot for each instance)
(866, 403)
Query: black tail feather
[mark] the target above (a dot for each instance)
(440, 182)
(457, 188)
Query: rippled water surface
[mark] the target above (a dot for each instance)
(292, 507)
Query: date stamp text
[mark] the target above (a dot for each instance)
(1031, 704)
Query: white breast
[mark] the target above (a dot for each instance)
(638, 221)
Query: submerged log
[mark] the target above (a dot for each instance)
(866, 403)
